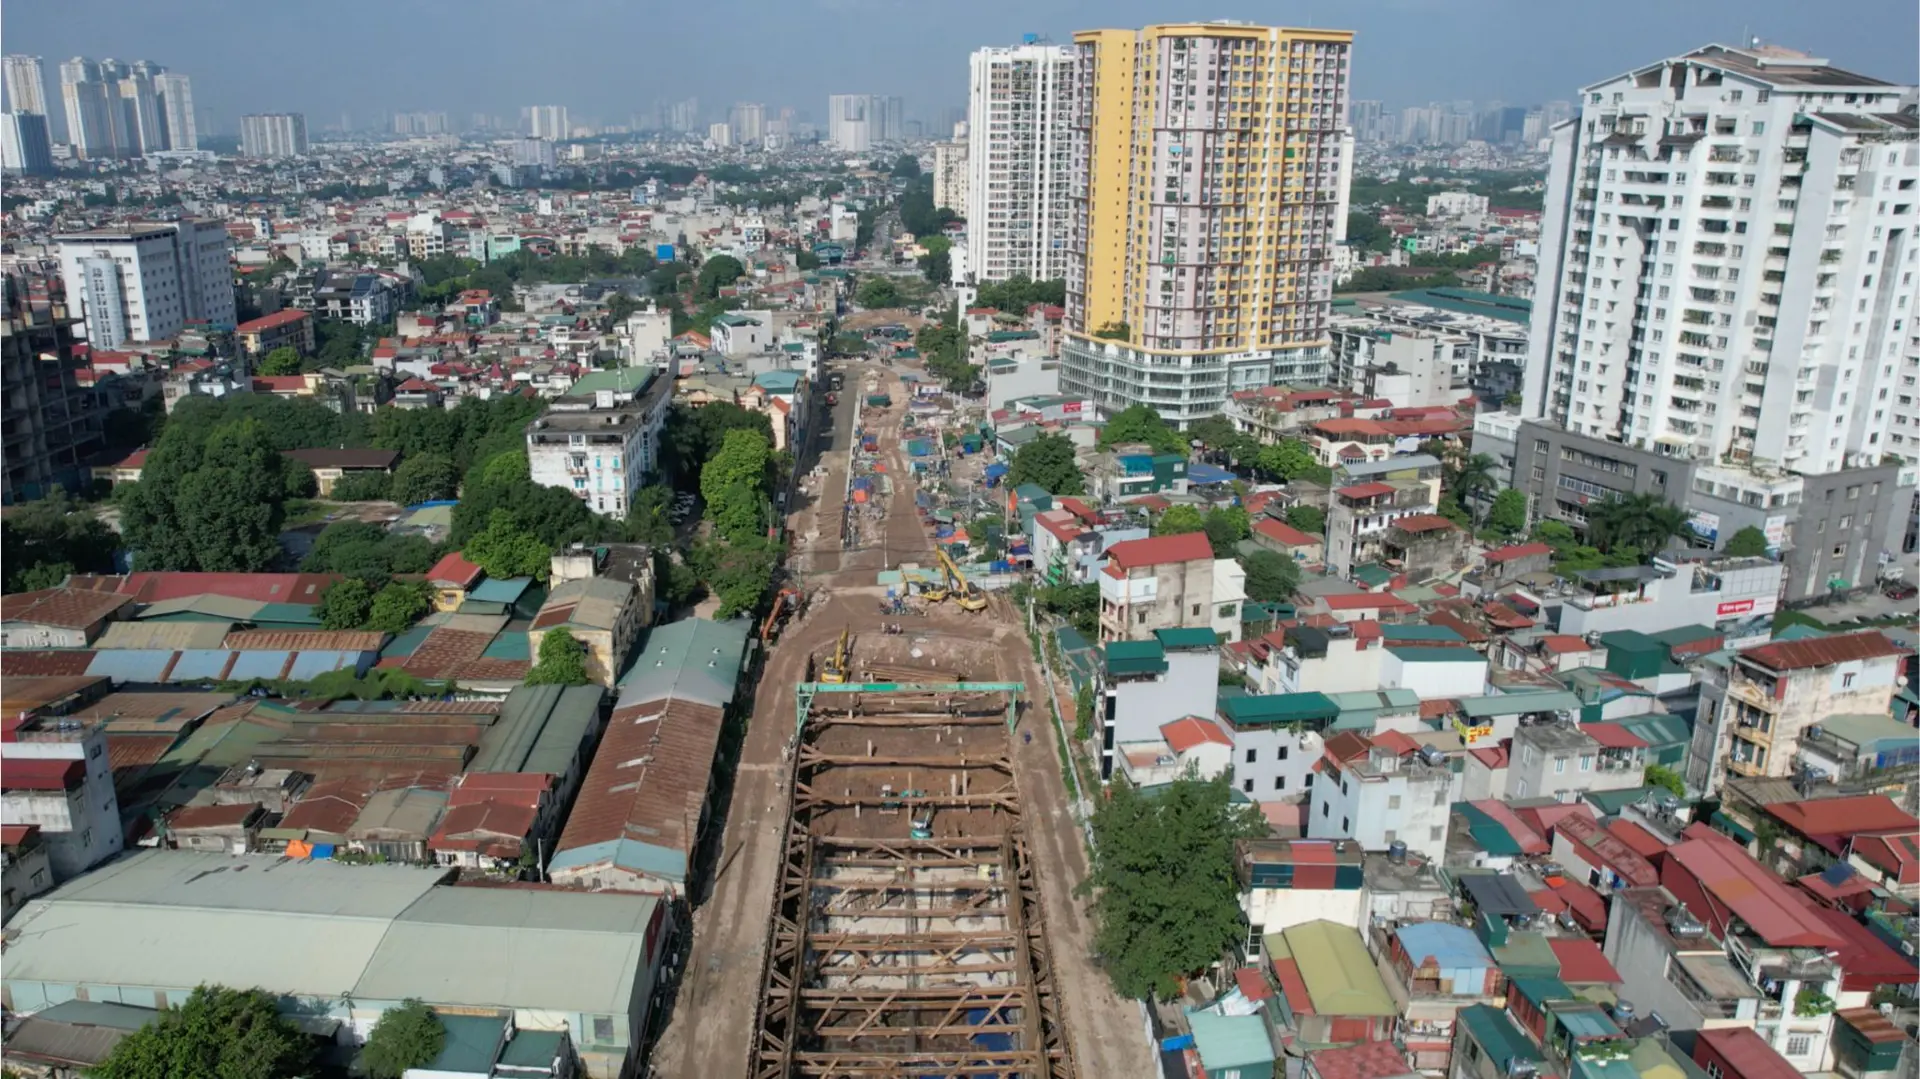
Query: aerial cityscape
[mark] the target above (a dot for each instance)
(884, 546)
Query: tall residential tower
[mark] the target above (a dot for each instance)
(1019, 160)
(26, 85)
(1207, 179)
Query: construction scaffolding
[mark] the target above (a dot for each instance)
(908, 937)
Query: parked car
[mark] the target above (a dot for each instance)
(1900, 591)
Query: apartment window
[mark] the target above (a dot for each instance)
(1279, 783)
(1393, 801)
(1846, 681)
(1586, 762)
(1252, 754)
(1559, 765)
(1346, 824)
(1434, 833)
(1326, 809)
(1799, 1045)
(1247, 786)
(1281, 753)
(1196, 610)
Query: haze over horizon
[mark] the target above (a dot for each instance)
(608, 59)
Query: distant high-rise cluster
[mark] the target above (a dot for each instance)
(1454, 123)
(420, 123)
(275, 134)
(112, 109)
(855, 122)
(548, 122)
(747, 123)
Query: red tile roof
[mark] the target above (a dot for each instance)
(1822, 651)
(1601, 847)
(1612, 735)
(1896, 855)
(1635, 836)
(1365, 490)
(1368, 1060)
(1747, 1054)
(66, 608)
(1160, 550)
(42, 774)
(1819, 886)
(47, 663)
(1287, 973)
(1582, 962)
(1283, 533)
(263, 587)
(455, 570)
(648, 779)
(1384, 601)
(312, 640)
(1866, 961)
(1518, 550)
(1253, 985)
(272, 322)
(1740, 887)
(279, 383)
(1185, 734)
(1841, 817)
(497, 829)
(213, 816)
(12, 835)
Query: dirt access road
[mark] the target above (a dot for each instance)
(711, 1028)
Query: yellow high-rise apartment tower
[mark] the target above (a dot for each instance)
(1211, 169)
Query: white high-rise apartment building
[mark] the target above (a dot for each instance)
(850, 122)
(889, 116)
(748, 121)
(26, 84)
(176, 111)
(1728, 268)
(277, 134)
(1020, 142)
(548, 122)
(143, 123)
(90, 109)
(719, 135)
(145, 282)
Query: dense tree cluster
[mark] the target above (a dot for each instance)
(1048, 462)
(210, 499)
(562, 661)
(233, 1033)
(408, 1036)
(1019, 292)
(42, 542)
(1166, 900)
(1140, 423)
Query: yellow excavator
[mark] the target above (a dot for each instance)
(964, 592)
(835, 668)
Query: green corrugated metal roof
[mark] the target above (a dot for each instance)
(1435, 654)
(1395, 633)
(1513, 704)
(1660, 730)
(1135, 657)
(1679, 635)
(1469, 302)
(1279, 708)
(1498, 1036)
(1230, 1041)
(470, 1045)
(1541, 990)
(693, 659)
(1372, 574)
(403, 644)
(1492, 836)
(1186, 637)
(510, 644)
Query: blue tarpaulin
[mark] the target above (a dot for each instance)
(1203, 474)
(997, 470)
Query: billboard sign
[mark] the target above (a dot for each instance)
(664, 252)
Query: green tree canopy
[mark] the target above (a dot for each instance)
(362, 487)
(367, 551)
(877, 292)
(281, 361)
(1309, 519)
(1225, 527)
(505, 550)
(1019, 292)
(41, 542)
(1508, 514)
(717, 273)
(735, 484)
(1749, 542)
(1140, 423)
(1178, 520)
(209, 500)
(1290, 459)
(1166, 900)
(1271, 577)
(218, 1032)
(408, 1036)
(562, 662)
(1048, 462)
(425, 477)
(693, 435)
(1646, 522)
(345, 604)
(906, 167)
(739, 572)
(399, 605)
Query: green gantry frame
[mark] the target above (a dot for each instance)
(803, 694)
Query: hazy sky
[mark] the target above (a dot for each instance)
(610, 58)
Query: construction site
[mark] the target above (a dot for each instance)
(908, 932)
(894, 893)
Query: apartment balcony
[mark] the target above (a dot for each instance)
(1748, 692)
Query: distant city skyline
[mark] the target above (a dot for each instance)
(1406, 52)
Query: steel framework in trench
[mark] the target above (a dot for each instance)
(901, 957)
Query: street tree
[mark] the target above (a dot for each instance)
(563, 661)
(1508, 514)
(425, 477)
(505, 550)
(410, 1035)
(1140, 423)
(228, 1033)
(1166, 901)
(1271, 577)
(1226, 526)
(1048, 462)
(281, 361)
(1179, 520)
(345, 604)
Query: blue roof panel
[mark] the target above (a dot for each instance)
(196, 664)
(260, 664)
(129, 664)
(312, 664)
